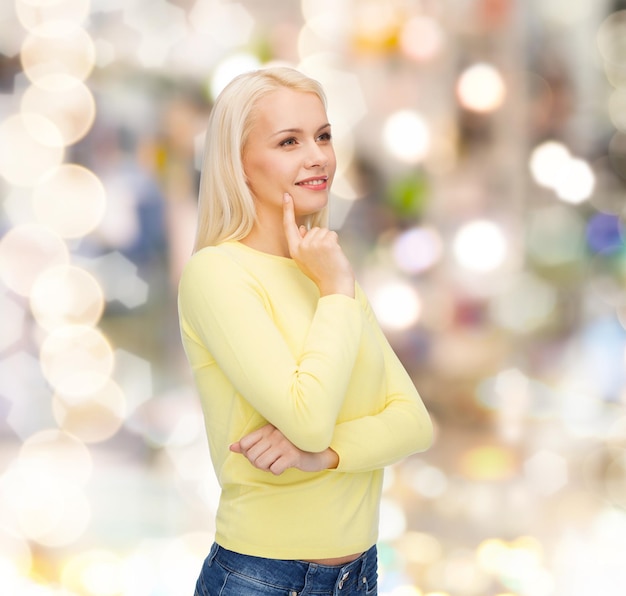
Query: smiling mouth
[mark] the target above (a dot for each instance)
(313, 182)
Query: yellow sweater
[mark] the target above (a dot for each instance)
(263, 347)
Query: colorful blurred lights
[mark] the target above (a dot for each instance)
(576, 181)
(229, 68)
(525, 304)
(26, 251)
(553, 166)
(66, 295)
(421, 38)
(417, 249)
(546, 471)
(76, 359)
(66, 101)
(406, 136)
(480, 246)
(480, 88)
(397, 305)
(71, 200)
(31, 146)
(91, 417)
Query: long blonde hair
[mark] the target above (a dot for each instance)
(226, 208)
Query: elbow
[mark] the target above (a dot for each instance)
(424, 435)
(422, 432)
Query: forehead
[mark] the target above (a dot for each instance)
(288, 108)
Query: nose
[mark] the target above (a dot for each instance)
(316, 157)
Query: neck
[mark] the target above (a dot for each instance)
(270, 241)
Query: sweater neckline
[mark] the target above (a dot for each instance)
(259, 253)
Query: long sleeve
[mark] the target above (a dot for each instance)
(401, 428)
(223, 310)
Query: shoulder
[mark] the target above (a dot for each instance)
(210, 265)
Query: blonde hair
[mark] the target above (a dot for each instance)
(226, 208)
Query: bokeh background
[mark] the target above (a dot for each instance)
(482, 149)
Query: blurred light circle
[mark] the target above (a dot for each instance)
(229, 68)
(488, 463)
(462, 574)
(608, 278)
(33, 13)
(15, 555)
(526, 304)
(66, 295)
(312, 9)
(26, 251)
(491, 555)
(346, 103)
(576, 181)
(546, 161)
(480, 246)
(617, 153)
(76, 359)
(65, 101)
(71, 200)
(227, 24)
(48, 510)
(94, 573)
(93, 417)
(58, 47)
(30, 146)
(406, 136)
(184, 553)
(392, 522)
(615, 481)
(556, 235)
(617, 108)
(420, 548)
(397, 305)
(13, 319)
(565, 13)
(480, 88)
(60, 453)
(417, 249)
(608, 196)
(611, 38)
(406, 590)
(616, 436)
(421, 38)
(604, 233)
(43, 488)
(430, 482)
(331, 23)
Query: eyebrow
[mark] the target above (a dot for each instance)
(298, 130)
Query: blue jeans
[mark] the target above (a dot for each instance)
(226, 573)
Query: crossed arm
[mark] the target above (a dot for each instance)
(302, 399)
(269, 450)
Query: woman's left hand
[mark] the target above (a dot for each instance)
(269, 450)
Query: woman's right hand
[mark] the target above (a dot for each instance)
(318, 254)
(269, 450)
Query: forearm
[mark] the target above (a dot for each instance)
(374, 442)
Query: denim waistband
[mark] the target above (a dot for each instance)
(284, 572)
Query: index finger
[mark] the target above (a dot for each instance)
(289, 222)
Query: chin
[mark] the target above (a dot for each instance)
(310, 207)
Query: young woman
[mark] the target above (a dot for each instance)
(304, 400)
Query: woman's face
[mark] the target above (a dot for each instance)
(289, 149)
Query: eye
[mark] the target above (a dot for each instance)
(326, 136)
(288, 142)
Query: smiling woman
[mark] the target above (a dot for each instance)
(304, 400)
(288, 150)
